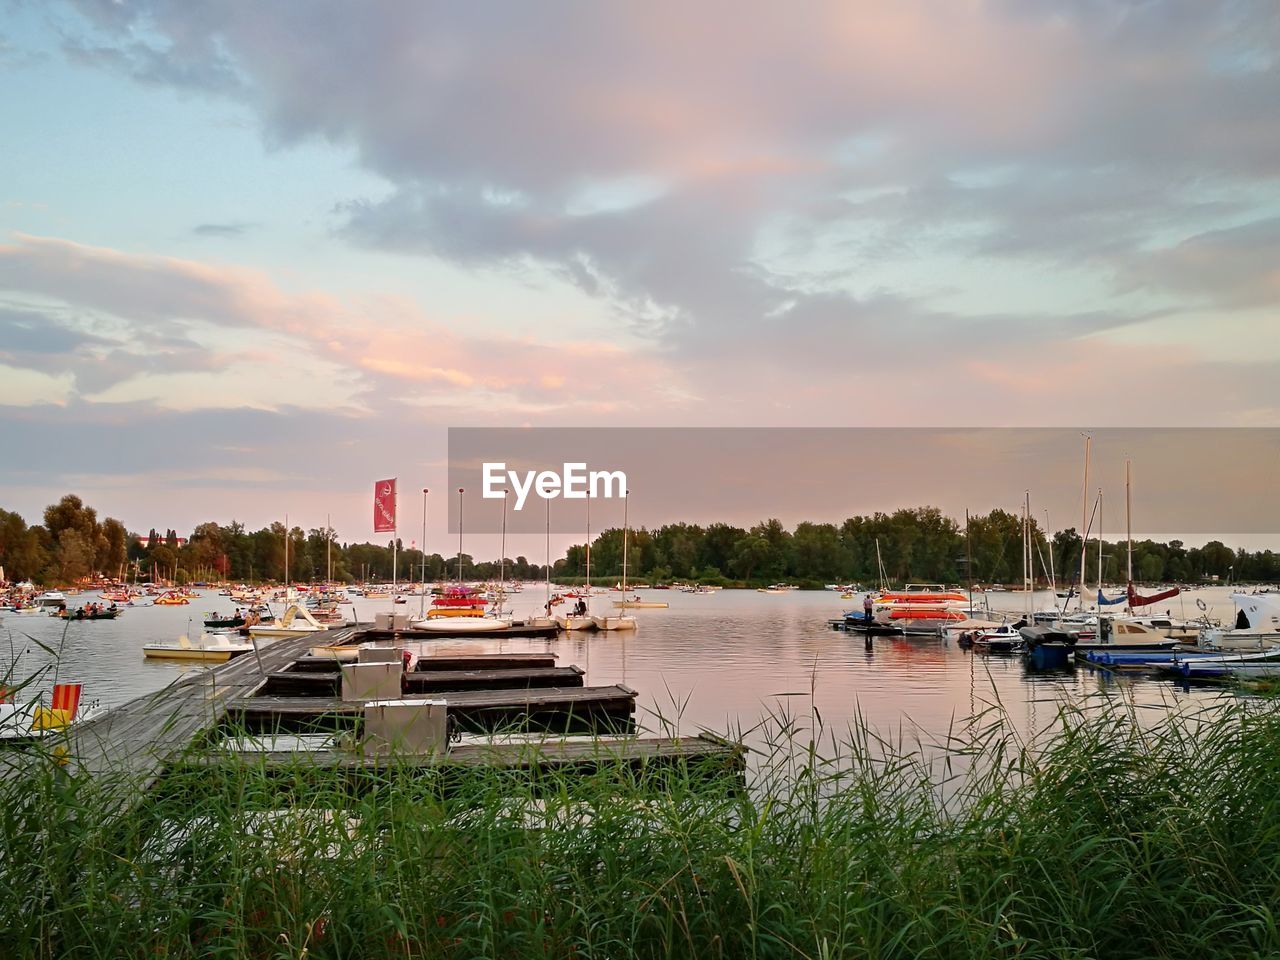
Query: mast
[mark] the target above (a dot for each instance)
(968, 557)
(1099, 542)
(548, 606)
(1128, 525)
(626, 496)
(328, 551)
(588, 553)
(1053, 578)
(422, 596)
(286, 558)
(460, 489)
(1028, 572)
(502, 555)
(1084, 506)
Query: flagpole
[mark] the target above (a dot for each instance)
(395, 536)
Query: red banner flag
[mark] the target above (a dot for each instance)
(384, 506)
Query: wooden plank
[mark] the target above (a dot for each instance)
(445, 661)
(543, 633)
(429, 681)
(526, 755)
(569, 708)
(329, 683)
(484, 661)
(133, 741)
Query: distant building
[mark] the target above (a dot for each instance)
(146, 544)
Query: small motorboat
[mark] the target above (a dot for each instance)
(635, 603)
(215, 622)
(171, 600)
(296, 622)
(217, 649)
(85, 613)
(461, 624)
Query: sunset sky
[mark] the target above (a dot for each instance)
(254, 256)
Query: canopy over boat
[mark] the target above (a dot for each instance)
(1137, 600)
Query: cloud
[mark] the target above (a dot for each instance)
(744, 183)
(1233, 268)
(176, 315)
(222, 229)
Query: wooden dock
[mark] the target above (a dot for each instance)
(133, 745)
(445, 661)
(560, 709)
(314, 683)
(648, 760)
(133, 741)
(506, 633)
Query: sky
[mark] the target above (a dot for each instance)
(255, 256)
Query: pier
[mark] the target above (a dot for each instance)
(283, 688)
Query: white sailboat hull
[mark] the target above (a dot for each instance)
(462, 624)
(577, 623)
(615, 623)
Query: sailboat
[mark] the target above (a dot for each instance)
(623, 621)
(1136, 599)
(468, 619)
(570, 621)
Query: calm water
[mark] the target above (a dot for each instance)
(720, 661)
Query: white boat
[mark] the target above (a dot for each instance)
(571, 622)
(1171, 627)
(461, 624)
(296, 622)
(212, 648)
(622, 622)
(635, 603)
(23, 611)
(1256, 626)
(615, 623)
(51, 598)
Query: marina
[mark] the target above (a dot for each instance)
(753, 654)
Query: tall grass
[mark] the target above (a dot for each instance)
(1104, 840)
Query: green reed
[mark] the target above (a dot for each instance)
(1099, 840)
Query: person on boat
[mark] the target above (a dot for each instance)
(866, 608)
(580, 608)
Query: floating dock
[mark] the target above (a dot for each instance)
(282, 687)
(560, 709)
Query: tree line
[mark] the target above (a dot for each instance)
(910, 544)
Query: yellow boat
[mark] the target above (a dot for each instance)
(170, 600)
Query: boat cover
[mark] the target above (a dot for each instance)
(1137, 600)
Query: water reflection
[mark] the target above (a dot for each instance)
(725, 661)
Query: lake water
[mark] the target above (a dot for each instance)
(721, 661)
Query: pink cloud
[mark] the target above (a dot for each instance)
(389, 338)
